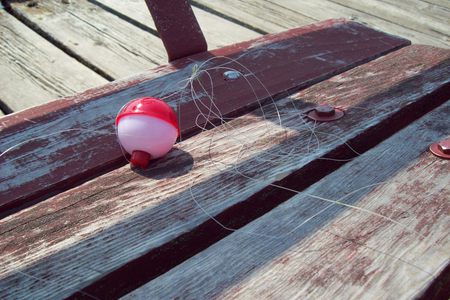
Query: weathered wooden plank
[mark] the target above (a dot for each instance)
(442, 3)
(81, 136)
(78, 236)
(219, 32)
(339, 252)
(114, 46)
(33, 71)
(428, 9)
(262, 15)
(325, 9)
(415, 20)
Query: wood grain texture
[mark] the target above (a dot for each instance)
(441, 3)
(112, 45)
(414, 19)
(80, 235)
(340, 253)
(82, 136)
(429, 10)
(325, 9)
(262, 15)
(33, 71)
(218, 32)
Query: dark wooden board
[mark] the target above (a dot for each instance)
(81, 128)
(341, 253)
(77, 237)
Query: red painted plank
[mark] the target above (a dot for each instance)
(177, 27)
(282, 63)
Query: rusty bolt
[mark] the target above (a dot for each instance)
(444, 146)
(325, 113)
(441, 149)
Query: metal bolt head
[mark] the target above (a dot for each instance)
(441, 149)
(231, 75)
(444, 146)
(325, 110)
(325, 113)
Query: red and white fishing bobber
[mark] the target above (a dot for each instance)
(147, 128)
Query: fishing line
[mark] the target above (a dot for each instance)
(271, 113)
(331, 202)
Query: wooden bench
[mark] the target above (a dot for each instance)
(356, 208)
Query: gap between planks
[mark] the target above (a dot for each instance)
(63, 245)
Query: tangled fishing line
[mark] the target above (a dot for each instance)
(251, 152)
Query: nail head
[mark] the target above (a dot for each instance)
(231, 75)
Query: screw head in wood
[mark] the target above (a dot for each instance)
(441, 149)
(325, 113)
(231, 75)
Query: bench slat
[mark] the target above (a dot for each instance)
(79, 236)
(341, 253)
(290, 60)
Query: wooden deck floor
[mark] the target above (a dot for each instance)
(53, 48)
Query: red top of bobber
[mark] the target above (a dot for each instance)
(152, 107)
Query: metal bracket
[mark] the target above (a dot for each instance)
(177, 27)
